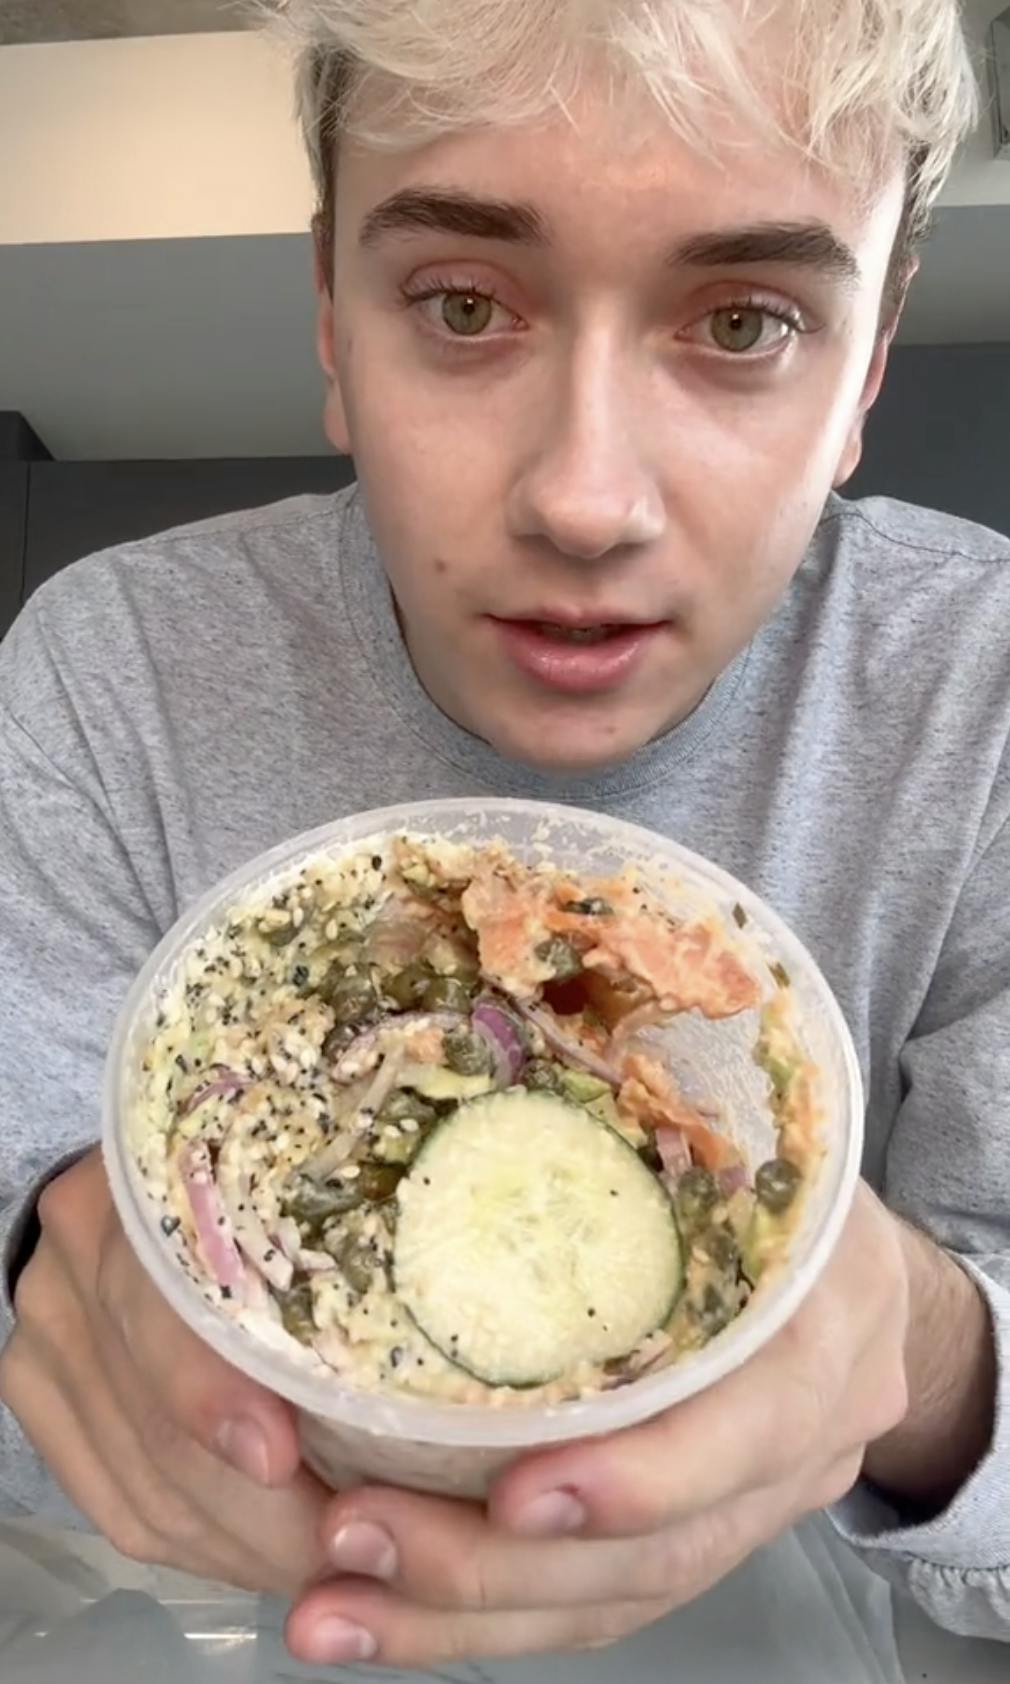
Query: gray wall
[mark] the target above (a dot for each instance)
(940, 434)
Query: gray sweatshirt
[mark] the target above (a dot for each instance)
(171, 708)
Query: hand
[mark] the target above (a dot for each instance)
(580, 1546)
(177, 1458)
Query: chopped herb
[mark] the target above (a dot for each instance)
(739, 916)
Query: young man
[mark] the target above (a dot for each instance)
(606, 292)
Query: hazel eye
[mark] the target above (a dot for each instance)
(737, 330)
(467, 314)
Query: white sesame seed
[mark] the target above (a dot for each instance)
(350, 1172)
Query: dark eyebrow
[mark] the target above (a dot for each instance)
(804, 245)
(418, 210)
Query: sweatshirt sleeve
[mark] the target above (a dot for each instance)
(948, 1172)
(74, 929)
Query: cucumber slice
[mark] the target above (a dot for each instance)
(532, 1239)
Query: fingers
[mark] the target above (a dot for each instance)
(130, 1462)
(261, 1539)
(743, 1435)
(356, 1621)
(805, 1399)
(447, 1555)
(209, 1401)
(57, 1434)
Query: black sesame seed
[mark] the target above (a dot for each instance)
(226, 1292)
(376, 862)
(170, 1225)
(590, 1314)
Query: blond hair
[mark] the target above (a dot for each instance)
(859, 79)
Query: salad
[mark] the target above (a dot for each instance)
(405, 1116)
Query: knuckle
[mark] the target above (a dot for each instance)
(130, 1537)
(160, 1436)
(33, 1295)
(467, 1582)
(612, 1623)
(180, 1530)
(663, 1568)
(838, 1481)
(58, 1207)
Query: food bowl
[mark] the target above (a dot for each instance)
(350, 1434)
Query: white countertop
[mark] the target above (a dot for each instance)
(802, 1612)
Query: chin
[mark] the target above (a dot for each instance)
(574, 749)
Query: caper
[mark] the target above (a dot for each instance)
(359, 1264)
(378, 1182)
(337, 1041)
(315, 1202)
(714, 1311)
(721, 1248)
(351, 997)
(563, 957)
(280, 935)
(541, 1076)
(407, 988)
(401, 1104)
(467, 1053)
(776, 1184)
(296, 1312)
(446, 994)
(697, 1194)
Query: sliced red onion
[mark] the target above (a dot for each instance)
(227, 1083)
(732, 1179)
(571, 1051)
(499, 1032)
(672, 1146)
(214, 1230)
(250, 1234)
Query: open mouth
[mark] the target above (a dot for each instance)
(577, 634)
(578, 658)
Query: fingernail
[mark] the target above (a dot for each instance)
(361, 1547)
(552, 1515)
(334, 1640)
(243, 1443)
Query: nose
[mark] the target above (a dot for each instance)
(585, 484)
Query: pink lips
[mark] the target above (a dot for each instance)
(576, 668)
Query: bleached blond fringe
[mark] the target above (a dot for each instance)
(858, 78)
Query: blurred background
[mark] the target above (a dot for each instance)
(156, 352)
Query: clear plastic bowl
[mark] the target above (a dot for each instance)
(353, 1435)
